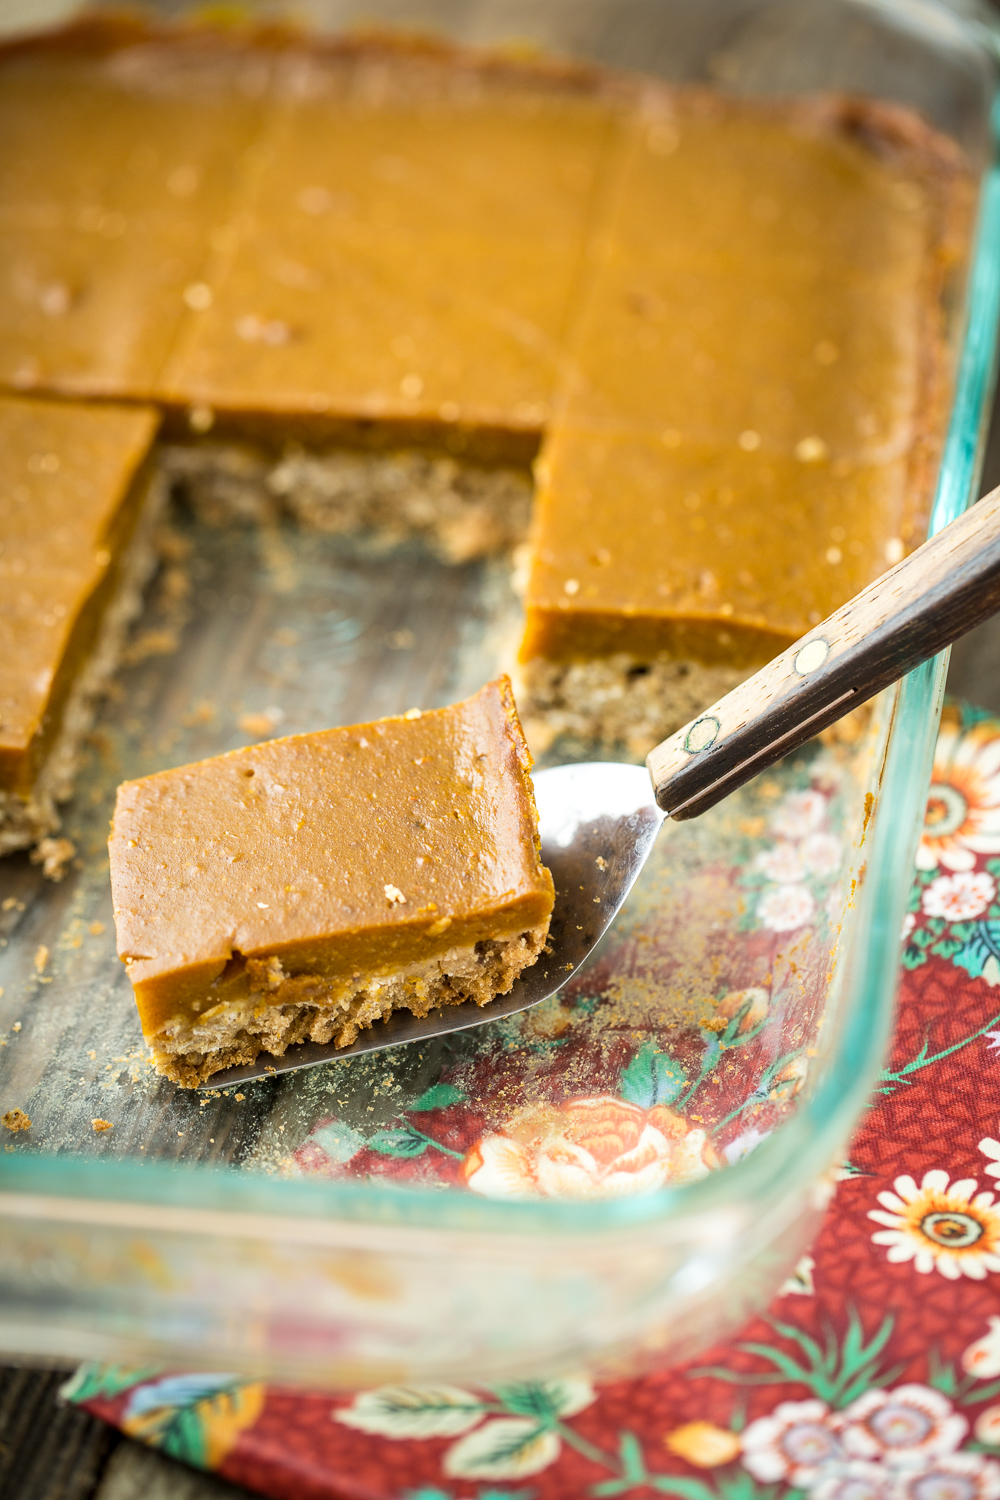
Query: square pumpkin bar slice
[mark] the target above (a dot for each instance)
(305, 888)
(78, 501)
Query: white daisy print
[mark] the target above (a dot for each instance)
(955, 1476)
(786, 907)
(793, 1444)
(954, 1230)
(799, 814)
(854, 1479)
(821, 853)
(902, 1427)
(991, 1148)
(782, 863)
(963, 805)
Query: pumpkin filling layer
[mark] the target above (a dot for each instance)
(307, 887)
(78, 503)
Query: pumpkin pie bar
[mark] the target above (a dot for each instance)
(123, 153)
(307, 887)
(407, 252)
(750, 428)
(75, 514)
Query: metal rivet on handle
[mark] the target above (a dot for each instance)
(813, 655)
(701, 734)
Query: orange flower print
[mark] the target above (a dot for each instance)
(703, 1444)
(963, 805)
(585, 1148)
(752, 1007)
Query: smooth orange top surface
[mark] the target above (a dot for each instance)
(302, 847)
(409, 245)
(744, 441)
(117, 168)
(65, 471)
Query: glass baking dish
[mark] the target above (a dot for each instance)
(231, 1230)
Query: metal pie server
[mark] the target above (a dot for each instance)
(599, 821)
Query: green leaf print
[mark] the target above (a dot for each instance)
(633, 1471)
(438, 1096)
(652, 1078)
(890, 1078)
(531, 1399)
(964, 1390)
(947, 948)
(738, 1485)
(971, 714)
(981, 944)
(677, 1484)
(402, 1142)
(195, 1418)
(838, 1373)
(184, 1438)
(92, 1380)
(406, 1141)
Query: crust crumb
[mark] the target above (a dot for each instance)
(54, 856)
(16, 1119)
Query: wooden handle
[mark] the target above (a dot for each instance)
(907, 615)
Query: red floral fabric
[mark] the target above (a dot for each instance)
(874, 1375)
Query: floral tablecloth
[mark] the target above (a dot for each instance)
(874, 1375)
